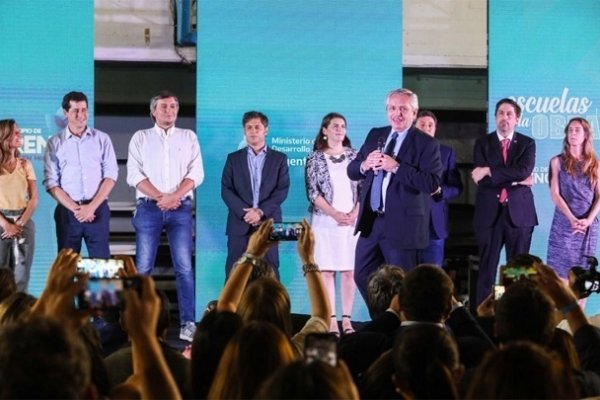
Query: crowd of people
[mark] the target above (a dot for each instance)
(420, 343)
(383, 208)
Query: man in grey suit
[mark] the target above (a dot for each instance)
(254, 184)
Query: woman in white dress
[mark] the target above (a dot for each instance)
(334, 207)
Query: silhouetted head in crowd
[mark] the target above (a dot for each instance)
(524, 312)
(426, 294)
(253, 354)
(8, 285)
(376, 382)
(522, 370)
(39, 358)
(383, 285)
(15, 307)
(315, 380)
(213, 333)
(266, 299)
(426, 363)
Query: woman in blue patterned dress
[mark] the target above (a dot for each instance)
(575, 190)
(334, 207)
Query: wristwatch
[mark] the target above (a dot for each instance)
(310, 267)
(249, 258)
(19, 222)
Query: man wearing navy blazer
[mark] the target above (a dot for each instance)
(504, 208)
(254, 184)
(400, 167)
(450, 188)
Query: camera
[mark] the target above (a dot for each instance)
(585, 281)
(100, 267)
(285, 231)
(105, 293)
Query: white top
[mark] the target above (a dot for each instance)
(165, 159)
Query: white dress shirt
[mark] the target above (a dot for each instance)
(165, 159)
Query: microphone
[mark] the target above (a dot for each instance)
(380, 147)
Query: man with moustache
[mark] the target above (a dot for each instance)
(504, 209)
(400, 167)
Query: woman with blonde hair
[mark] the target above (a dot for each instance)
(575, 190)
(18, 201)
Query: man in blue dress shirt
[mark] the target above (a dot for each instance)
(80, 171)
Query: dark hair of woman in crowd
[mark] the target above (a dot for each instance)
(314, 380)
(522, 370)
(426, 363)
(252, 355)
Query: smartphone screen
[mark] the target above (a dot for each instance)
(498, 291)
(321, 347)
(105, 293)
(100, 267)
(285, 231)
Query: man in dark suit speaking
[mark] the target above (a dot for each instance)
(401, 167)
(254, 184)
(504, 208)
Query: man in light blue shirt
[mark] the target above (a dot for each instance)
(80, 171)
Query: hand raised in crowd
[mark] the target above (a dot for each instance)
(551, 283)
(487, 306)
(140, 315)
(151, 374)
(306, 244)
(129, 268)
(63, 284)
(259, 242)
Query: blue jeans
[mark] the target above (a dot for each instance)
(149, 221)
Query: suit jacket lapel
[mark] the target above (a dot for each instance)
(244, 170)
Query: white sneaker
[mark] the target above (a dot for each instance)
(187, 331)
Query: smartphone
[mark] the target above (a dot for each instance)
(285, 231)
(498, 291)
(321, 347)
(105, 293)
(100, 267)
(508, 275)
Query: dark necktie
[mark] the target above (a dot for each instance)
(376, 204)
(503, 192)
